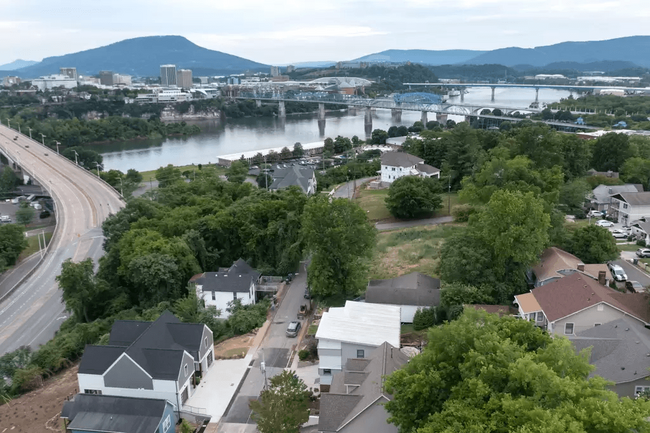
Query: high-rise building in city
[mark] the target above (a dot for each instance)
(184, 78)
(106, 78)
(70, 72)
(121, 79)
(167, 75)
(275, 71)
(290, 68)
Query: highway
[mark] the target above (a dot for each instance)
(33, 312)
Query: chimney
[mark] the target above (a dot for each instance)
(581, 267)
(602, 278)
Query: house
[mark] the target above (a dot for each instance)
(160, 360)
(355, 403)
(627, 207)
(556, 263)
(303, 177)
(109, 414)
(619, 351)
(410, 292)
(577, 302)
(399, 164)
(220, 288)
(641, 230)
(353, 331)
(601, 196)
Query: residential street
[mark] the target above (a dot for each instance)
(276, 351)
(633, 273)
(346, 190)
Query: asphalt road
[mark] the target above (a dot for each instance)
(276, 350)
(34, 312)
(633, 273)
(347, 189)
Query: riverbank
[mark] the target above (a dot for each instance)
(150, 175)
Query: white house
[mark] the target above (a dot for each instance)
(601, 196)
(354, 331)
(157, 360)
(410, 292)
(628, 207)
(398, 164)
(219, 289)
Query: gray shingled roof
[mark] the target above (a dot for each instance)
(602, 193)
(125, 332)
(338, 407)
(410, 289)
(104, 413)
(96, 359)
(237, 278)
(294, 175)
(426, 168)
(619, 350)
(634, 198)
(400, 159)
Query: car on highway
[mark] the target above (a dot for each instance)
(293, 328)
(643, 252)
(619, 234)
(617, 272)
(604, 223)
(634, 287)
(15, 138)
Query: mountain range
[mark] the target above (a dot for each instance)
(143, 57)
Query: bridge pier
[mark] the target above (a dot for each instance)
(462, 94)
(321, 111)
(396, 114)
(442, 119)
(536, 94)
(367, 122)
(423, 118)
(492, 99)
(352, 110)
(321, 127)
(282, 111)
(258, 103)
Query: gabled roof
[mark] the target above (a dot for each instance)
(105, 413)
(410, 289)
(294, 175)
(426, 168)
(125, 332)
(361, 323)
(344, 403)
(619, 351)
(557, 263)
(602, 193)
(634, 198)
(645, 226)
(158, 349)
(400, 159)
(577, 292)
(238, 278)
(528, 303)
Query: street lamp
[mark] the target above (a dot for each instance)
(43, 139)
(121, 188)
(8, 124)
(30, 132)
(75, 157)
(97, 165)
(57, 146)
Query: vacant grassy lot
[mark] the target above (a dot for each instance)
(151, 175)
(32, 245)
(372, 201)
(409, 250)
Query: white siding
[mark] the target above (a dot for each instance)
(162, 389)
(587, 319)
(408, 313)
(222, 299)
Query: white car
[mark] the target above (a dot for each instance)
(619, 234)
(617, 272)
(595, 213)
(604, 223)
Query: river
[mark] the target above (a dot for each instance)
(240, 135)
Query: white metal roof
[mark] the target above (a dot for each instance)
(361, 323)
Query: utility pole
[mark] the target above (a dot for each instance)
(449, 197)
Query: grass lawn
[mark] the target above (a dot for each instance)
(409, 250)
(236, 351)
(151, 175)
(406, 328)
(32, 245)
(312, 329)
(372, 201)
(628, 247)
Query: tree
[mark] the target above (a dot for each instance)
(284, 406)
(285, 153)
(83, 293)
(482, 373)
(25, 214)
(8, 180)
(168, 175)
(328, 146)
(264, 180)
(342, 144)
(135, 177)
(461, 294)
(636, 170)
(237, 172)
(12, 243)
(413, 197)
(379, 136)
(610, 152)
(298, 151)
(593, 244)
(85, 157)
(340, 238)
(573, 195)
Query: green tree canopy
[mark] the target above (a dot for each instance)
(413, 197)
(340, 239)
(592, 244)
(636, 170)
(83, 293)
(25, 213)
(237, 172)
(482, 373)
(611, 151)
(12, 243)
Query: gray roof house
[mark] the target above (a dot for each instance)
(109, 414)
(355, 403)
(399, 164)
(148, 360)
(220, 289)
(303, 177)
(628, 207)
(619, 351)
(601, 195)
(411, 292)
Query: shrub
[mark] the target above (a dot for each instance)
(462, 212)
(641, 242)
(303, 354)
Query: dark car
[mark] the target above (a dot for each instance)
(293, 329)
(634, 287)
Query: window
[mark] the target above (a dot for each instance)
(597, 324)
(393, 168)
(327, 372)
(540, 316)
(600, 307)
(167, 423)
(641, 389)
(185, 369)
(234, 295)
(214, 296)
(361, 353)
(205, 340)
(624, 205)
(93, 391)
(568, 329)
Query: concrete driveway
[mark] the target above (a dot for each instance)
(347, 189)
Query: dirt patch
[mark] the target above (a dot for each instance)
(234, 347)
(38, 411)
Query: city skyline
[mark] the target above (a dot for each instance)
(294, 31)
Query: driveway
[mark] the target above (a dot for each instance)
(413, 223)
(347, 189)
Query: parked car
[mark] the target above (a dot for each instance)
(619, 234)
(5, 219)
(634, 286)
(617, 272)
(293, 328)
(307, 294)
(643, 252)
(595, 214)
(604, 223)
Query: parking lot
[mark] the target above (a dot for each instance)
(8, 209)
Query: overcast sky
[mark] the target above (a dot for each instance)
(291, 31)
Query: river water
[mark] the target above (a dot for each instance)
(240, 135)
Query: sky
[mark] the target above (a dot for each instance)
(293, 31)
